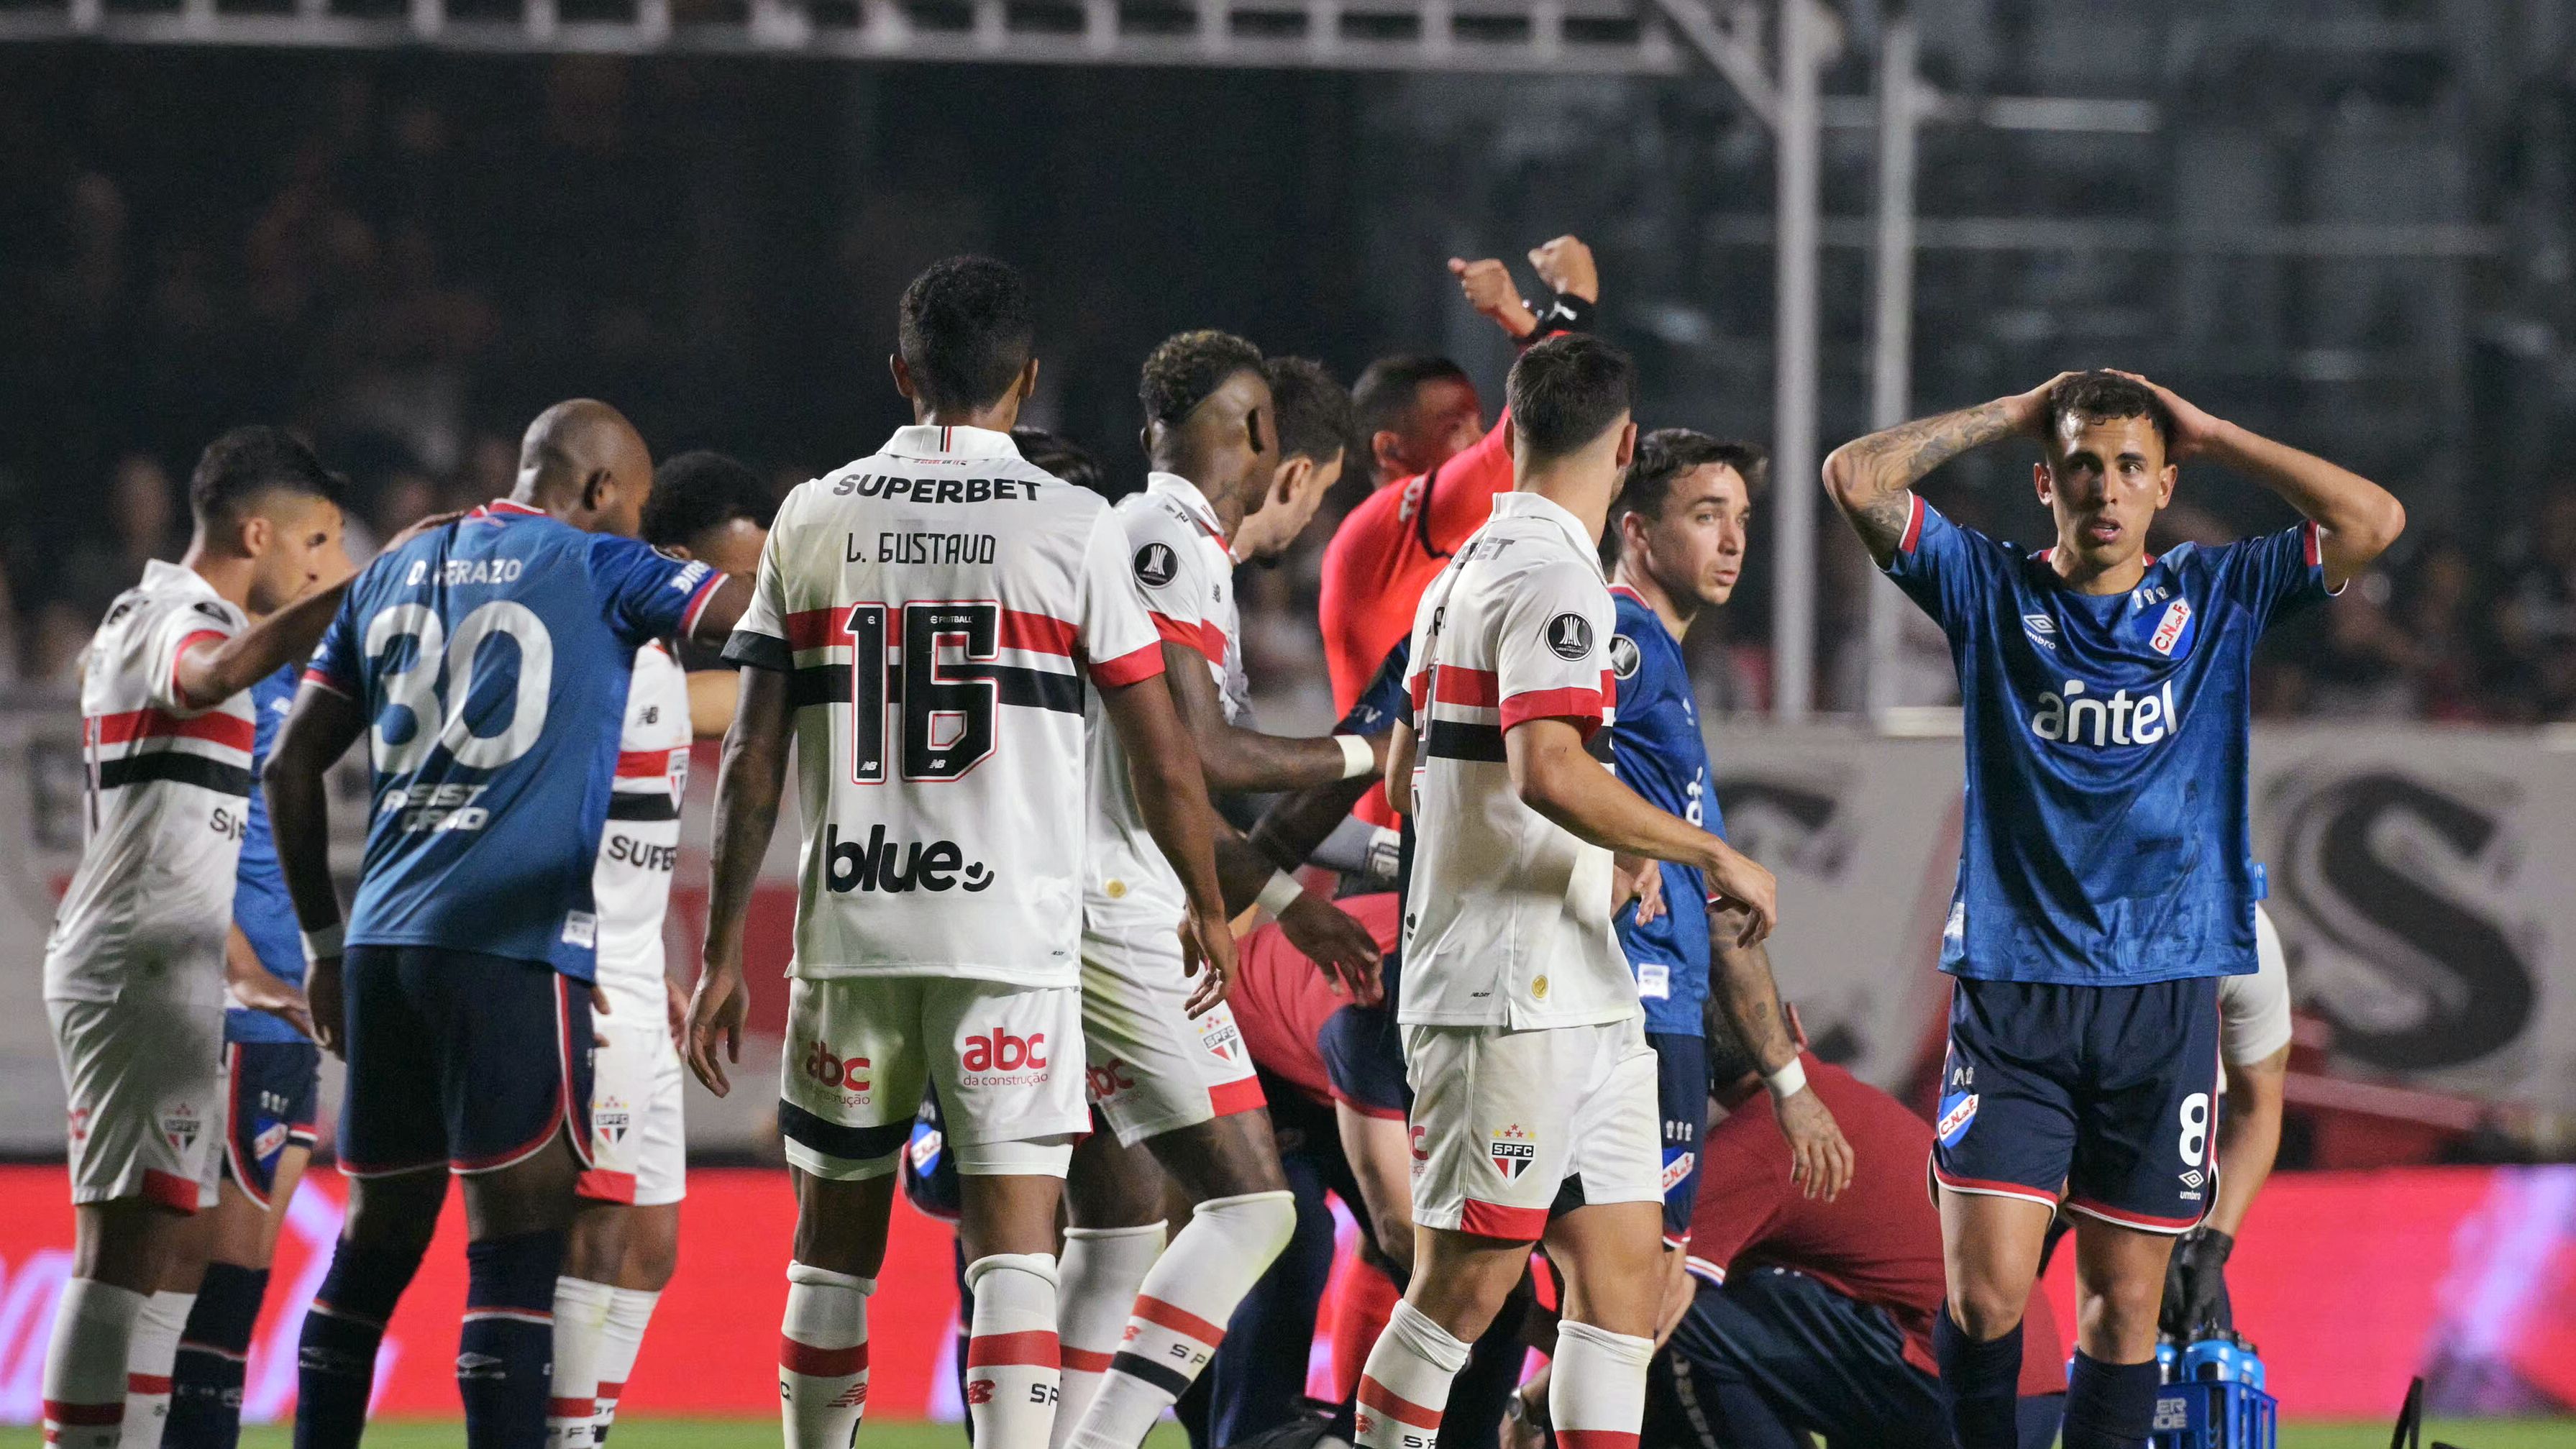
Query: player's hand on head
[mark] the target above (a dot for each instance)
(716, 1012)
(2193, 428)
(1489, 289)
(1820, 1161)
(1340, 947)
(2029, 410)
(1565, 265)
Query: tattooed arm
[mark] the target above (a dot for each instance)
(1869, 477)
(1743, 995)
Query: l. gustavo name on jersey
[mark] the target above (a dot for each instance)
(932, 865)
(2071, 715)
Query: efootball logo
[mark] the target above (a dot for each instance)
(1156, 565)
(1512, 1152)
(1569, 636)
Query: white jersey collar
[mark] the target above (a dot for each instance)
(1517, 504)
(1186, 493)
(931, 440)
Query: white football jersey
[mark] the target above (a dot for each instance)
(169, 789)
(937, 607)
(1180, 561)
(1509, 916)
(641, 842)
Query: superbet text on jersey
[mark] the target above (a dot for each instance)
(491, 659)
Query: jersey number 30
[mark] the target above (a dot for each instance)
(947, 724)
(414, 689)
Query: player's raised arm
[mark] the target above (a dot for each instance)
(1870, 478)
(748, 783)
(2356, 519)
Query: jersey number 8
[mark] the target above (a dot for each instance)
(947, 724)
(415, 690)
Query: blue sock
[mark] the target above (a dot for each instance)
(2109, 1405)
(1980, 1384)
(214, 1349)
(505, 1355)
(336, 1359)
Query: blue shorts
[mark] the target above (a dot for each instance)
(2102, 1091)
(271, 1090)
(1363, 1052)
(460, 1060)
(1681, 1097)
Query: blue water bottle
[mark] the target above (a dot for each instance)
(2249, 1364)
(2168, 1358)
(2213, 1359)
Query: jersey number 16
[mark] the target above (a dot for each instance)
(946, 728)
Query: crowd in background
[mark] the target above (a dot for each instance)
(407, 263)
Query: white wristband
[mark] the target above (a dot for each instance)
(324, 944)
(1787, 1082)
(1280, 894)
(1357, 758)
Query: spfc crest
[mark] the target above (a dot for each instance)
(1512, 1152)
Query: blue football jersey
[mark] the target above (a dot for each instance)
(2105, 837)
(260, 907)
(1658, 751)
(491, 659)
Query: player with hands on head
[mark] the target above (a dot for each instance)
(937, 925)
(136, 967)
(1523, 1036)
(2106, 876)
(485, 662)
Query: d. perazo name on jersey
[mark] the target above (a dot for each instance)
(2067, 715)
(927, 865)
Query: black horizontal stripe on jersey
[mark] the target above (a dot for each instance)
(177, 768)
(850, 1144)
(640, 805)
(761, 651)
(1458, 740)
(817, 684)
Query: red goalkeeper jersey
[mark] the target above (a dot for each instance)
(1390, 548)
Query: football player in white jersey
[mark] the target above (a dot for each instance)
(1534, 1112)
(134, 972)
(625, 1238)
(1169, 1070)
(927, 624)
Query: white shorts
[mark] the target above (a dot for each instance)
(639, 1150)
(145, 1083)
(1007, 1061)
(1154, 1067)
(1504, 1120)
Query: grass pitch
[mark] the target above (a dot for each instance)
(760, 1434)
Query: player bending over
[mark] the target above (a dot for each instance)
(927, 624)
(625, 1238)
(1675, 543)
(1534, 1090)
(485, 662)
(2105, 872)
(1167, 1066)
(136, 966)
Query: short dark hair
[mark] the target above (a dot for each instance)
(2102, 394)
(966, 328)
(1666, 454)
(1186, 367)
(1063, 457)
(1314, 411)
(698, 491)
(1567, 391)
(246, 462)
(1382, 400)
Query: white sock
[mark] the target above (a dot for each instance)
(581, 1321)
(823, 1357)
(1096, 1290)
(148, 1357)
(1012, 1367)
(1597, 1393)
(85, 1364)
(1181, 1313)
(629, 1310)
(1404, 1386)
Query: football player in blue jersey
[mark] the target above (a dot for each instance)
(1674, 546)
(2106, 875)
(487, 662)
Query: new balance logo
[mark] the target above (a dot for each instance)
(926, 865)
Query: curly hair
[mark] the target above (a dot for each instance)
(1187, 367)
(965, 327)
